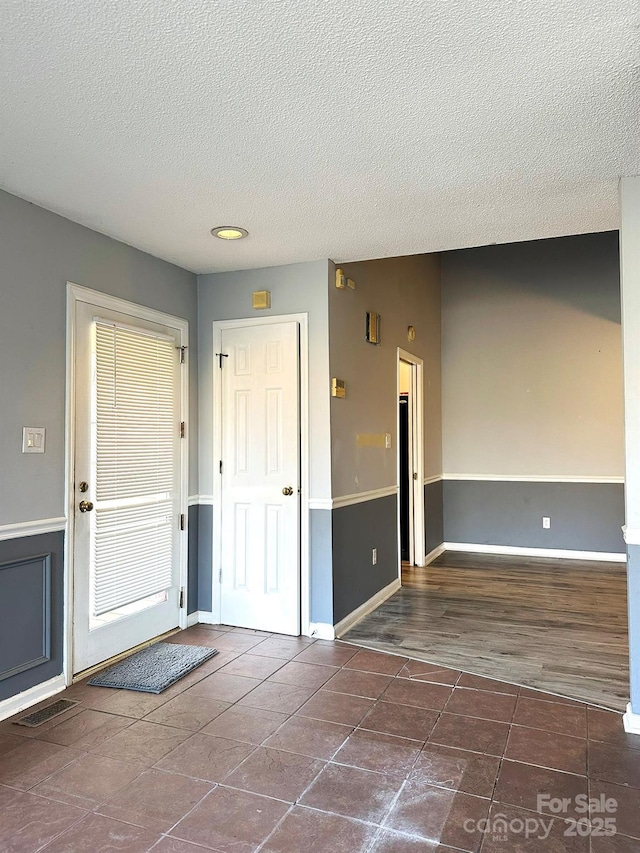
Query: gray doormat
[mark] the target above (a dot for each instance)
(153, 669)
(37, 718)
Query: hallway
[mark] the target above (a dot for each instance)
(554, 625)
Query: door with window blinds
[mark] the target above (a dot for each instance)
(127, 484)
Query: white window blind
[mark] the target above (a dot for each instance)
(135, 428)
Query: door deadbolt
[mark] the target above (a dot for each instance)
(288, 490)
(85, 506)
(84, 486)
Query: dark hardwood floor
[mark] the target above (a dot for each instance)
(553, 625)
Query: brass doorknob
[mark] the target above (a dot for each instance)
(288, 490)
(85, 506)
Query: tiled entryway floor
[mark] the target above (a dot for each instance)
(285, 745)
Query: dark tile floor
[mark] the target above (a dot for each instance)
(284, 745)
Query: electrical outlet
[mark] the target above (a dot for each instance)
(546, 522)
(374, 556)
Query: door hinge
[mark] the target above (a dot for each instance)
(220, 575)
(183, 354)
(181, 429)
(182, 521)
(221, 466)
(181, 603)
(220, 356)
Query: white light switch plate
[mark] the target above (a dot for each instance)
(33, 439)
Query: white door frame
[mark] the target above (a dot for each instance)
(76, 293)
(216, 557)
(417, 429)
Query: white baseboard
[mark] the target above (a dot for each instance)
(205, 617)
(432, 555)
(360, 612)
(631, 721)
(318, 630)
(15, 704)
(606, 557)
(321, 631)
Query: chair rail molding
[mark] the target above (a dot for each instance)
(363, 497)
(536, 478)
(20, 529)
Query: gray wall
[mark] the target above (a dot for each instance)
(433, 516)
(405, 291)
(200, 549)
(357, 529)
(633, 605)
(31, 608)
(532, 359)
(295, 289)
(205, 550)
(532, 388)
(194, 536)
(40, 252)
(584, 516)
(321, 546)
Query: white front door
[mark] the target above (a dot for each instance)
(260, 472)
(127, 482)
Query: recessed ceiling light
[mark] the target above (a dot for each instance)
(229, 232)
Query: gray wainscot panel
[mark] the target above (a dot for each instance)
(321, 597)
(357, 530)
(433, 516)
(31, 611)
(633, 578)
(584, 516)
(205, 555)
(193, 567)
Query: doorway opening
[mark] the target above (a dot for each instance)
(410, 461)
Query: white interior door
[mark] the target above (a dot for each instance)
(127, 483)
(260, 473)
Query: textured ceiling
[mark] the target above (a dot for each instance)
(327, 129)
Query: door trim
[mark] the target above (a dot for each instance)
(216, 557)
(418, 450)
(76, 293)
